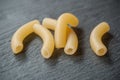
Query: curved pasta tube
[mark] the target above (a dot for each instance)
(20, 35)
(72, 40)
(61, 29)
(48, 40)
(96, 38)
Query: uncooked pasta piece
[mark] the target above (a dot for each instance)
(96, 38)
(48, 40)
(61, 29)
(20, 35)
(72, 40)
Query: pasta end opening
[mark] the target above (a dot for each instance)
(69, 51)
(45, 53)
(101, 52)
(18, 49)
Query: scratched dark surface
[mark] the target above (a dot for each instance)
(85, 65)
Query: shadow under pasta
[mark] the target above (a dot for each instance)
(80, 35)
(107, 37)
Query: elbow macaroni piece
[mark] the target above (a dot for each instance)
(72, 40)
(20, 35)
(47, 37)
(61, 29)
(96, 38)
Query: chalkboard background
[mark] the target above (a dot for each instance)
(85, 65)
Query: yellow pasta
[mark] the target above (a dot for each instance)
(20, 35)
(61, 29)
(72, 40)
(96, 38)
(48, 40)
(49, 23)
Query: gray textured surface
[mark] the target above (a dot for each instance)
(29, 65)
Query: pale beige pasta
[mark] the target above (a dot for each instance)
(49, 23)
(96, 38)
(61, 29)
(72, 40)
(48, 40)
(20, 35)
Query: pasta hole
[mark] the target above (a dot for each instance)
(69, 51)
(18, 48)
(101, 51)
(45, 53)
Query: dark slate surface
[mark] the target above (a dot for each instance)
(85, 65)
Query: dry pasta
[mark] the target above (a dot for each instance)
(96, 38)
(20, 35)
(61, 29)
(48, 40)
(72, 40)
